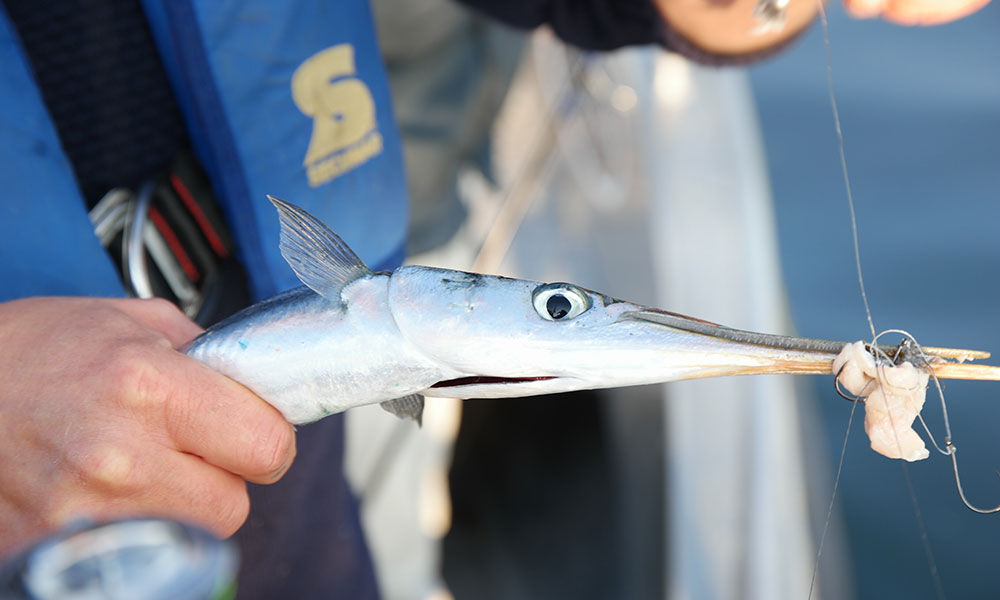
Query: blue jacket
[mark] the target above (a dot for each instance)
(282, 98)
(286, 98)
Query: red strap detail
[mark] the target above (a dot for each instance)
(199, 216)
(175, 244)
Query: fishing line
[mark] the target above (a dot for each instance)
(864, 295)
(833, 496)
(843, 166)
(925, 540)
(871, 325)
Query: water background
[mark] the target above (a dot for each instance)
(921, 116)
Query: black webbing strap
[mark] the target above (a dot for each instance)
(168, 240)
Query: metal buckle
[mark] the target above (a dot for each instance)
(123, 216)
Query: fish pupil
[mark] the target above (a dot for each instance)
(558, 306)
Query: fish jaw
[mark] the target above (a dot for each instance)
(489, 329)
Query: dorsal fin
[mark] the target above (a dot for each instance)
(317, 255)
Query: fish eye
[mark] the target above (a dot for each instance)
(560, 301)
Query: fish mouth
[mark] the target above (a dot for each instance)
(485, 380)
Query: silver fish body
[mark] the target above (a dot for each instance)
(310, 358)
(442, 333)
(351, 337)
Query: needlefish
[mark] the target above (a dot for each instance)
(350, 337)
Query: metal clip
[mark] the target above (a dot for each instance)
(123, 215)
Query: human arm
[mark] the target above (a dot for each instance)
(708, 31)
(101, 417)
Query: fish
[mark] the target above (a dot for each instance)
(351, 337)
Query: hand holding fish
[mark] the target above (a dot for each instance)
(101, 417)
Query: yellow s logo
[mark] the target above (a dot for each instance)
(345, 132)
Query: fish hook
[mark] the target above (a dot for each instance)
(916, 353)
(910, 350)
(958, 482)
(840, 391)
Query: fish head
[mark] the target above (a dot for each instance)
(512, 337)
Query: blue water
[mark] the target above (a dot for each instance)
(921, 118)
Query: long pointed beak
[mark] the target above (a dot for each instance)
(778, 354)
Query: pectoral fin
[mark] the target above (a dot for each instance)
(317, 255)
(407, 407)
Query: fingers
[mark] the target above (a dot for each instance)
(931, 12)
(99, 415)
(120, 477)
(914, 12)
(219, 420)
(170, 485)
(184, 488)
(205, 413)
(865, 9)
(204, 495)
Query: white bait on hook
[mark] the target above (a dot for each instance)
(894, 396)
